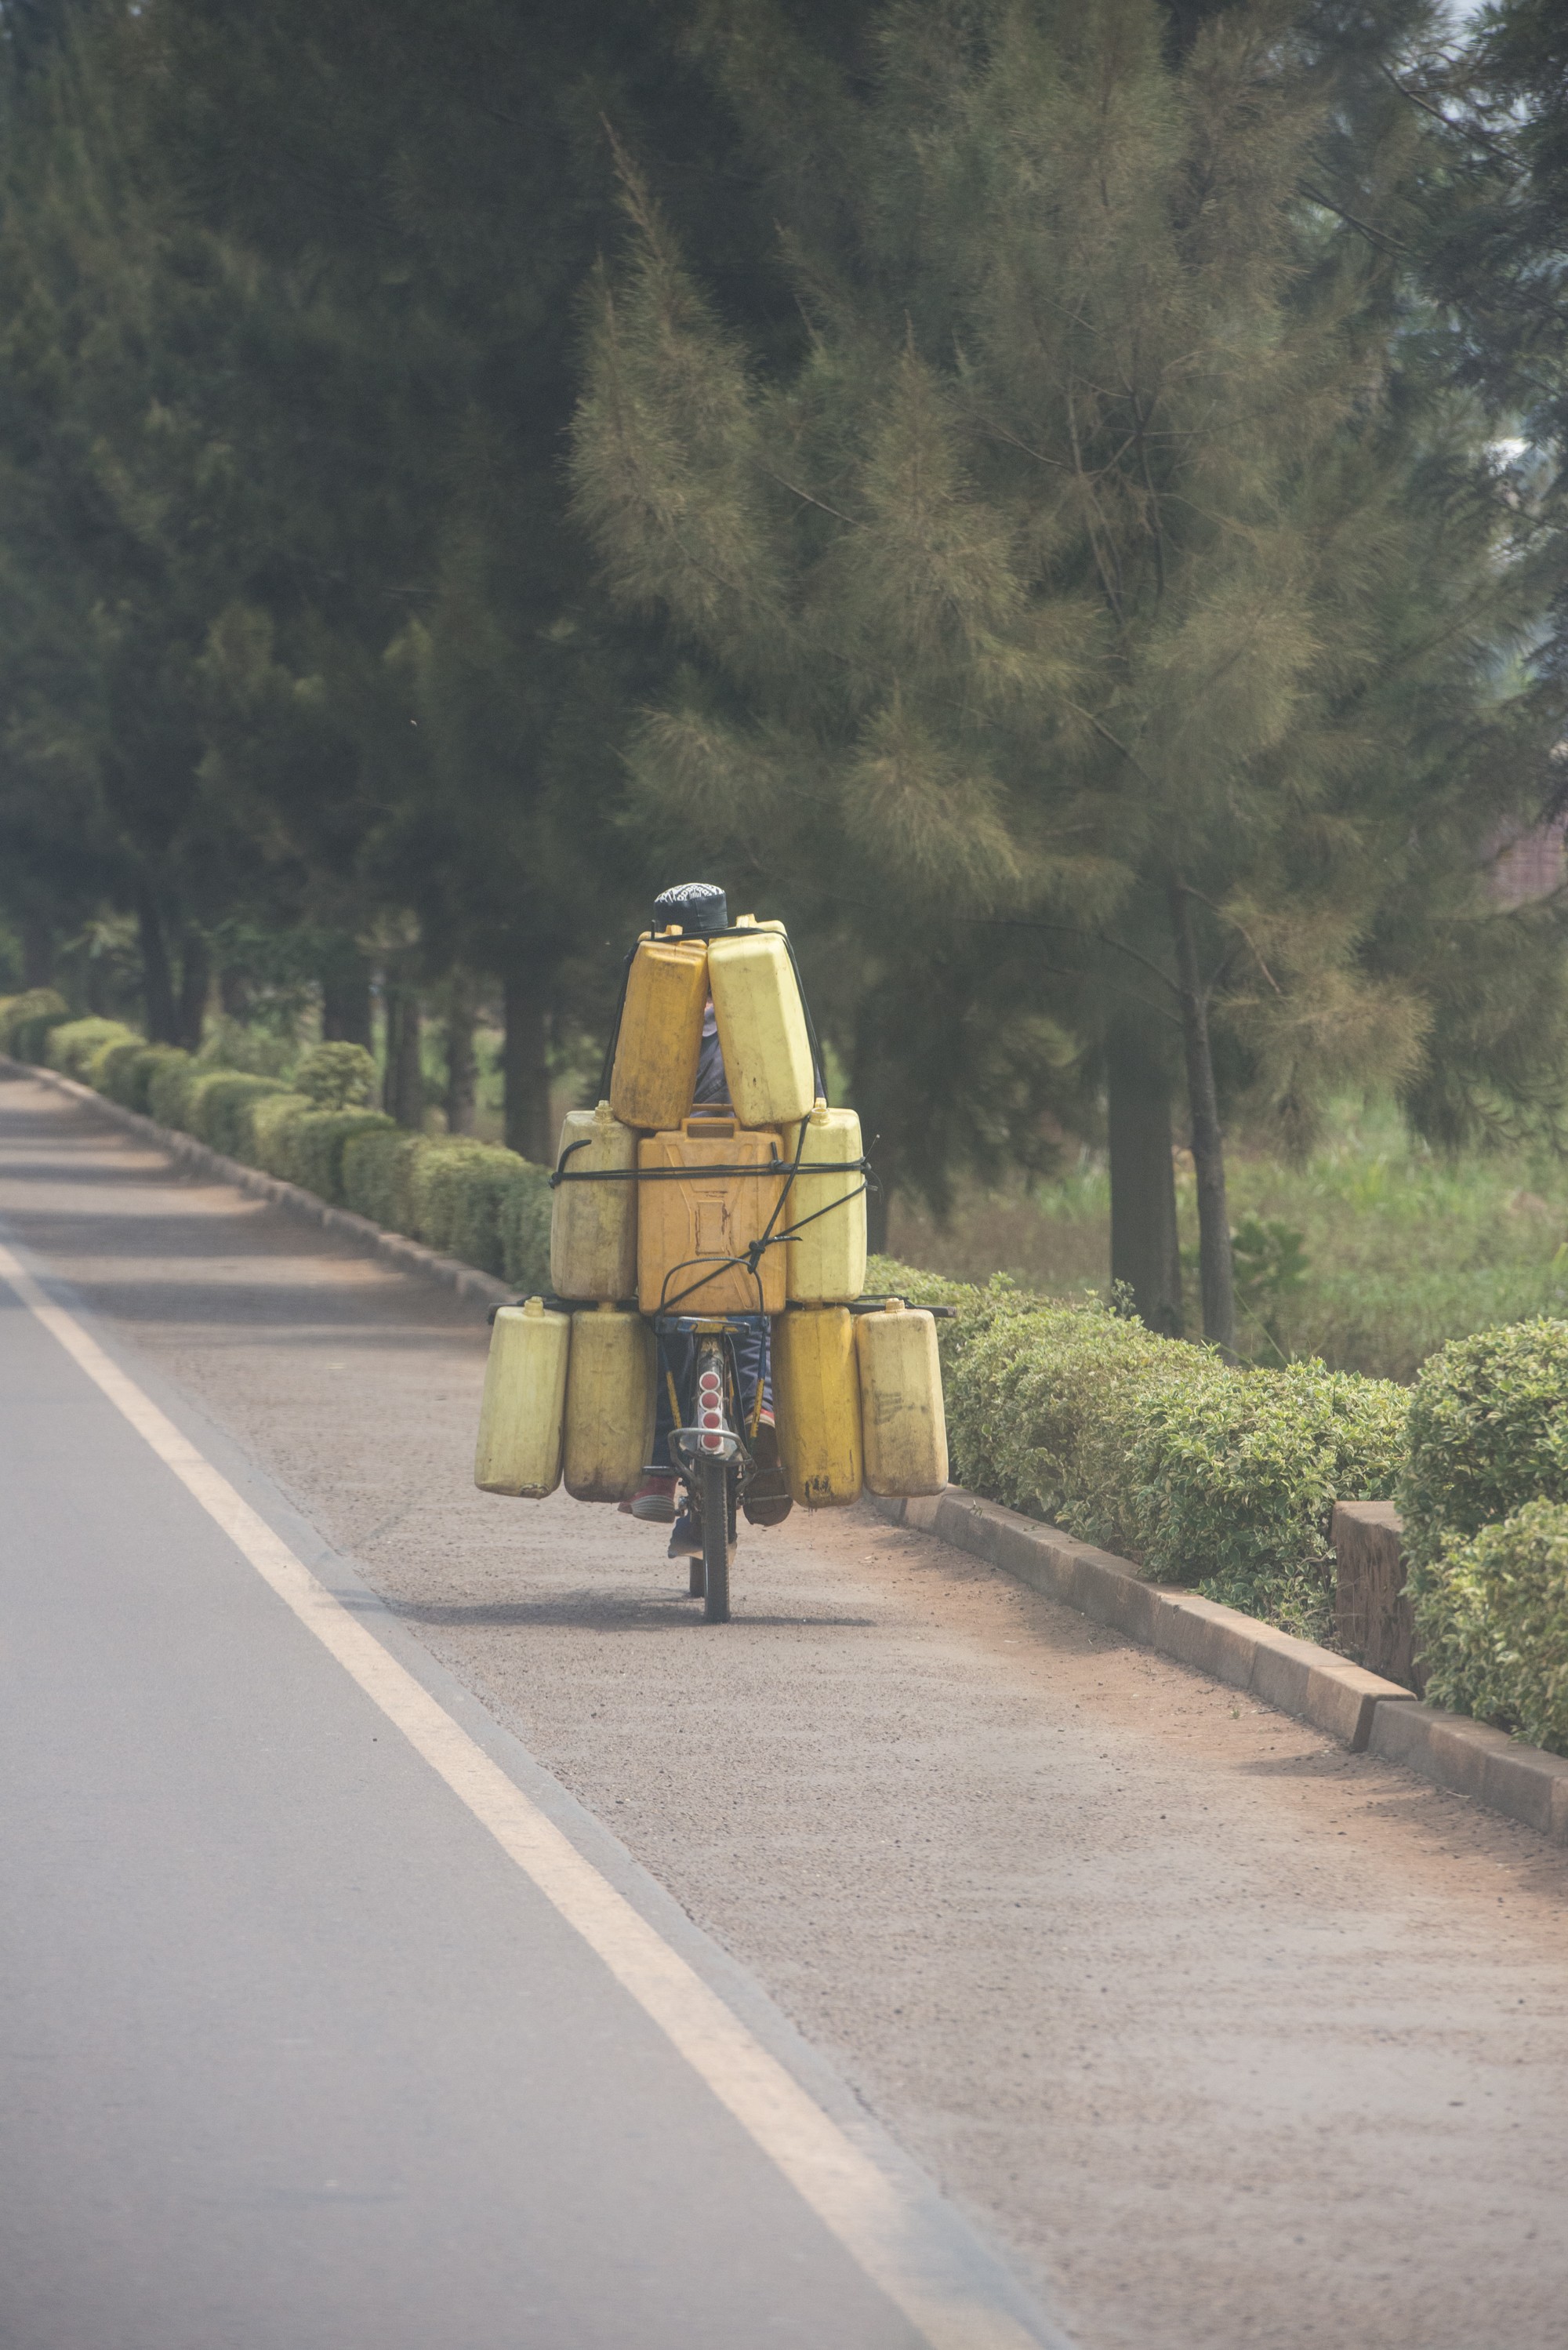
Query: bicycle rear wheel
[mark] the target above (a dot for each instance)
(717, 1542)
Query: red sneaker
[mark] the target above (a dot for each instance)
(653, 1500)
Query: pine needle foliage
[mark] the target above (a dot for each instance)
(1093, 564)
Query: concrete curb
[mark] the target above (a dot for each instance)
(1360, 1709)
(394, 1248)
(1297, 1676)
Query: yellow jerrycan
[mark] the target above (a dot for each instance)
(593, 1226)
(690, 1227)
(816, 1401)
(609, 1404)
(761, 1026)
(654, 1074)
(903, 1423)
(522, 1416)
(825, 1261)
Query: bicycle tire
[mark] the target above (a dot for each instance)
(716, 1543)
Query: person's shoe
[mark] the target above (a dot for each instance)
(685, 1542)
(654, 1501)
(767, 1499)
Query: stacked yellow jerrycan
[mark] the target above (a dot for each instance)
(762, 1024)
(522, 1418)
(817, 1399)
(654, 1075)
(593, 1226)
(826, 1256)
(610, 1396)
(858, 1396)
(688, 1230)
(903, 1425)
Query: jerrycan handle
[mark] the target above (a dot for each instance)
(721, 1127)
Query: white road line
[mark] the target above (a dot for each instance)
(852, 2197)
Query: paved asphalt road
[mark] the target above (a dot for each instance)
(1232, 2040)
(294, 2053)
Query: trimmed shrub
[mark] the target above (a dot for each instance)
(144, 1068)
(469, 1200)
(72, 1044)
(1492, 1614)
(220, 1102)
(376, 1172)
(165, 1085)
(1488, 1432)
(455, 1189)
(1037, 1397)
(199, 1082)
(110, 1069)
(1201, 1474)
(28, 1020)
(267, 1137)
(315, 1146)
(1229, 1481)
(523, 1225)
(336, 1075)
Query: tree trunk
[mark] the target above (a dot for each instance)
(1215, 1272)
(195, 985)
(462, 1072)
(37, 951)
(233, 993)
(162, 1012)
(878, 1116)
(346, 1006)
(403, 1085)
(525, 1071)
(1144, 1251)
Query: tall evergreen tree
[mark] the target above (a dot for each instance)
(1067, 576)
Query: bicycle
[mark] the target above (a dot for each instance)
(714, 1458)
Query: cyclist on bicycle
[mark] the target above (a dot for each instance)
(701, 908)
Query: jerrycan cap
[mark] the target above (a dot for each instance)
(534, 1305)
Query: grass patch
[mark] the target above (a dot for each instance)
(1397, 1249)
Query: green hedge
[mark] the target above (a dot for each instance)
(1482, 1498)
(197, 1084)
(1225, 1478)
(1489, 1432)
(317, 1142)
(456, 1189)
(468, 1200)
(72, 1044)
(144, 1070)
(270, 1122)
(522, 1222)
(376, 1169)
(1493, 1614)
(26, 1019)
(166, 1084)
(110, 1069)
(221, 1105)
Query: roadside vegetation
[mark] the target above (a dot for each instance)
(1369, 1254)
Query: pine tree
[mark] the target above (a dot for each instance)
(1066, 574)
